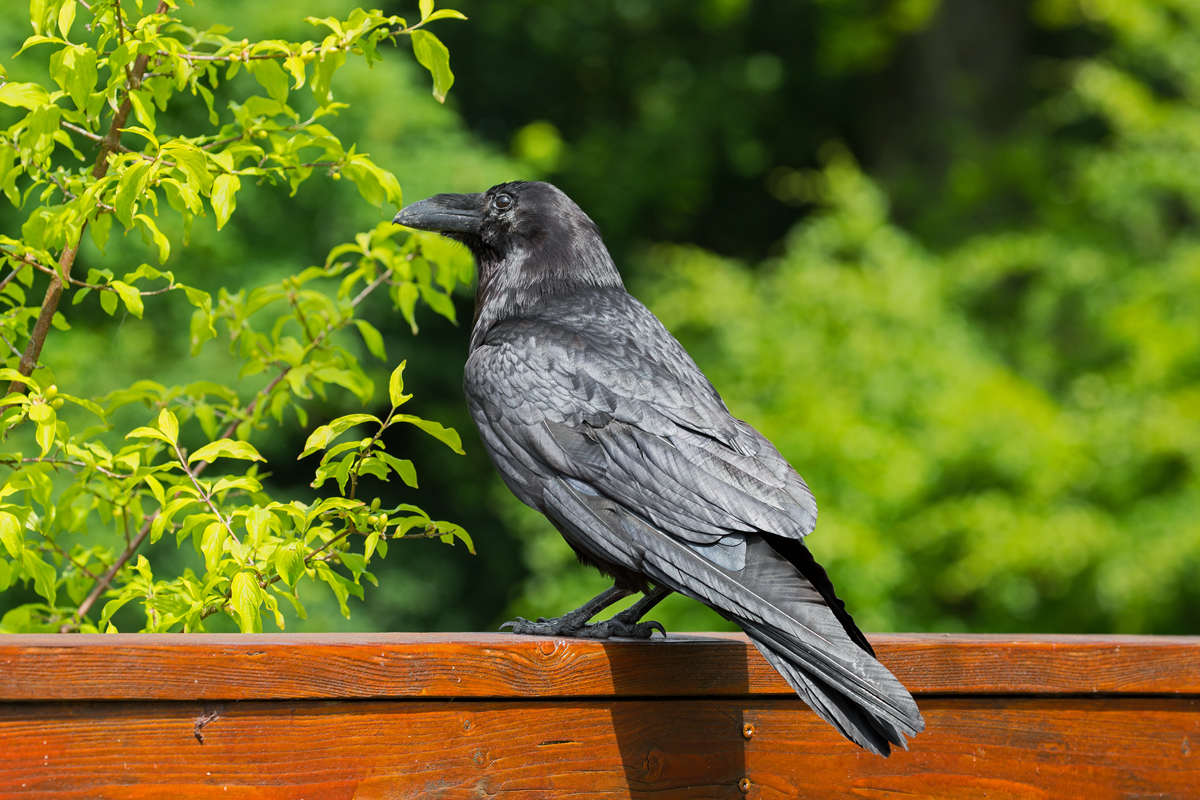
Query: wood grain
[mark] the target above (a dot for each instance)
(975, 747)
(344, 666)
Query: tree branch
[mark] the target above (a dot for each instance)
(107, 580)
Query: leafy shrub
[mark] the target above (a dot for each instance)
(84, 493)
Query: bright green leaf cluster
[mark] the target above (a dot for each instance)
(113, 78)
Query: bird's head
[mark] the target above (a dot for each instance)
(528, 238)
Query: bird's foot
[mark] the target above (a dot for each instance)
(572, 628)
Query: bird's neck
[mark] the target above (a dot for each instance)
(518, 284)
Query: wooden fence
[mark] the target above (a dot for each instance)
(482, 716)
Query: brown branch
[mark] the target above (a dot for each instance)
(33, 350)
(107, 580)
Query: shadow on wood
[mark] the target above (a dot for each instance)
(670, 747)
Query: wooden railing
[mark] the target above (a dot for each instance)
(477, 715)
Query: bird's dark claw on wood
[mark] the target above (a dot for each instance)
(567, 627)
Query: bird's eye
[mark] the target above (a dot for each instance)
(503, 201)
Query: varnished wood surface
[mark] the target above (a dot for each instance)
(343, 666)
(975, 747)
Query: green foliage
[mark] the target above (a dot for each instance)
(114, 77)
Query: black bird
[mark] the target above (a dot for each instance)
(597, 417)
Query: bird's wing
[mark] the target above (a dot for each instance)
(623, 408)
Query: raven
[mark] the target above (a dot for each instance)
(597, 417)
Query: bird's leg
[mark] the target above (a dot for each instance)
(573, 623)
(626, 623)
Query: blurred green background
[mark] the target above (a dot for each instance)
(945, 255)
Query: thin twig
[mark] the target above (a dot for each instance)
(11, 346)
(96, 286)
(8, 278)
(95, 137)
(372, 286)
(66, 462)
(205, 496)
(220, 142)
(67, 193)
(107, 580)
(76, 564)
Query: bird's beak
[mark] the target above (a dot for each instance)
(461, 213)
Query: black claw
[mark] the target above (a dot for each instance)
(564, 626)
(653, 626)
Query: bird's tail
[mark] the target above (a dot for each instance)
(868, 723)
(809, 639)
(821, 653)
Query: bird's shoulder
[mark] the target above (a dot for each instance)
(601, 354)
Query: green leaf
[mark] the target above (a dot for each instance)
(245, 597)
(456, 532)
(12, 375)
(143, 109)
(323, 69)
(447, 436)
(45, 430)
(108, 301)
(100, 228)
(212, 544)
(44, 575)
(445, 13)
(439, 302)
(25, 95)
(131, 186)
(434, 56)
(156, 489)
(289, 563)
(66, 18)
(225, 448)
(224, 199)
(403, 467)
(258, 524)
(147, 433)
(131, 297)
(426, 7)
(272, 77)
(160, 240)
(396, 386)
(353, 562)
(5, 575)
(373, 339)
(169, 425)
(406, 299)
(11, 534)
(322, 436)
